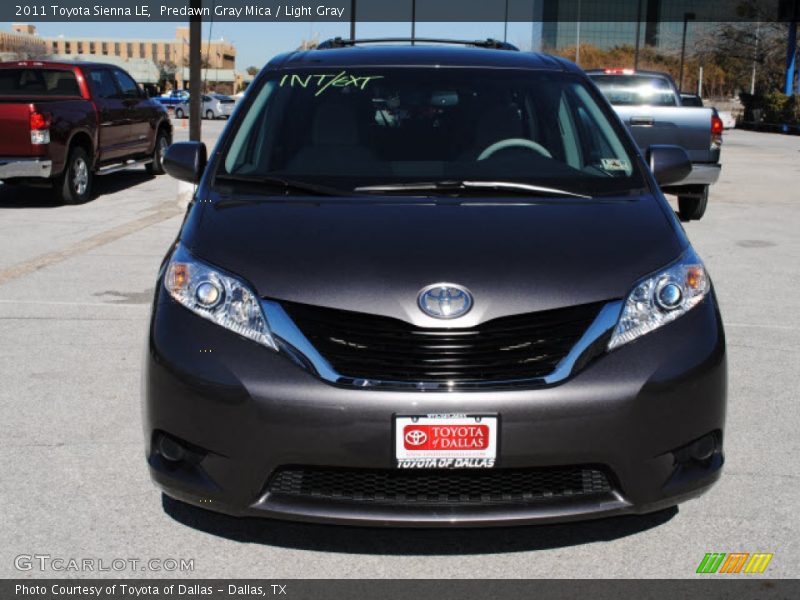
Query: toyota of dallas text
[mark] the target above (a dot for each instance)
(431, 285)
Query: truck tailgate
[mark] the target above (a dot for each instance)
(679, 125)
(15, 129)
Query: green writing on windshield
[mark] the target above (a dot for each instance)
(324, 81)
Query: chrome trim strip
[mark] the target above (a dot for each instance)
(605, 320)
(25, 167)
(283, 327)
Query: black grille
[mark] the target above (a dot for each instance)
(364, 346)
(438, 487)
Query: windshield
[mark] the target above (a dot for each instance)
(636, 90)
(356, 128)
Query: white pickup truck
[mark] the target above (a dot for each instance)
(650, 106)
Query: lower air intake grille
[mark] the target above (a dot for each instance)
(440, 488)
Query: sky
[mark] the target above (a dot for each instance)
(256, 43)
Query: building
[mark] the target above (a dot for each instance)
(157, 63)
(609, 23)
(21, 43)
(170, 54)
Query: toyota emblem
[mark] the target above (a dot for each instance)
(445, 300)
(416, 437)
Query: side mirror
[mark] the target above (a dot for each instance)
(669, 164)
(186, 161)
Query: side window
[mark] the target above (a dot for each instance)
(127, 86)
(102, 84)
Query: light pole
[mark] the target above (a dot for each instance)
(638, 33)
(688, 16)
(578, 35)
(195, 59)
(352, 19)
(505, 25)
(413, 20)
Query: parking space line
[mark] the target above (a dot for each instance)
(50, 258)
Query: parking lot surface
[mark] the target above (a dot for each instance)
(75, 283)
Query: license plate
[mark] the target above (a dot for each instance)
(445, 441)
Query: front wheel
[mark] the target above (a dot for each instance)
(157, 166)
(74, 185)
(692, 208)
(210, 115)
(178, 113)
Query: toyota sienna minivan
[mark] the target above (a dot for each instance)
(431, 284)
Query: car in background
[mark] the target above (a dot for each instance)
(650, 106)
(62, 123)
(171, 98)
(214, 106)
(431, 285)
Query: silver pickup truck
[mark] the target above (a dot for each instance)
(650, 105)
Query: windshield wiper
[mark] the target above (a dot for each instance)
(526, 189)
(287, 185)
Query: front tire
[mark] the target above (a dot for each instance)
(74, 185)
(178, 113)
(157, 166)
(210, 115)
(692, 208)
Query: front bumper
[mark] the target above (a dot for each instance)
(250, 411)
(15, 168)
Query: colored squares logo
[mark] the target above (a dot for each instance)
(734, 562)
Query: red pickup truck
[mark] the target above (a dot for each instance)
(61, 123)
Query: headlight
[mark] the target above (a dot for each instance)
(661, 298)
(217, 296)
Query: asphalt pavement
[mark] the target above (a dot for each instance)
(75, 283)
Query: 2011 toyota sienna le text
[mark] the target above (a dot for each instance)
(431, 285)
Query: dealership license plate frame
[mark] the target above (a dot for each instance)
(446, 459)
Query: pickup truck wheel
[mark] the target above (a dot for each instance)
(74, 185)
(157, 166)
(692, 208)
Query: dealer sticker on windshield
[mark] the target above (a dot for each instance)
(446, 441)
(615, 164)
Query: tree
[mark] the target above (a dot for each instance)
(252, 71)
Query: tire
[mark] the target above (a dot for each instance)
(210, 115)
(157, 166)
(178, 113)
(74, 185)
(692, 208)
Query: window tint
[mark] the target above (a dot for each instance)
(42, 82)
(359, 127)
(127, 85)
(102, 84)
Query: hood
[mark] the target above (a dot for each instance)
(375, 257)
